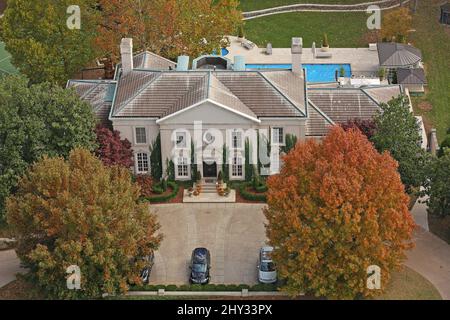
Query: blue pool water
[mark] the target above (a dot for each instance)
(314, 72)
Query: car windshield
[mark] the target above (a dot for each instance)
(197, 267)
(267, 266)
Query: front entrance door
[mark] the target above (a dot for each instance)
(209, 170)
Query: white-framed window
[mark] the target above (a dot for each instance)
(142, 162)
(236, 139)
(278, 135)
(236, 167)
(182, 168)
(181, 139)
(140, 135)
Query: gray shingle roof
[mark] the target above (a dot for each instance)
(98, 93)
(397, 54)
(158, 94)
(411, 76)
(264, 97)
(383, 94)
(336, 106)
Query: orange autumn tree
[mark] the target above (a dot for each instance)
(81, 212)
(166, 27)
(336, 208)
(396, 24)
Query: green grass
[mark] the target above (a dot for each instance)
(409, 285)
(250, 5)
(5, 61)
(434, 41)
(344, 30)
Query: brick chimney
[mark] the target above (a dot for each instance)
(296, 51)
(126, 52)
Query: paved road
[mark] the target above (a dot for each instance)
(233, 233)
(431, 258)
(9, 267)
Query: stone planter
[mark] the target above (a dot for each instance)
(325, 49)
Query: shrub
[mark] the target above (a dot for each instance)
(145, 182)
(157, 188)
(325, 40)
(250, 196)
(164, 198)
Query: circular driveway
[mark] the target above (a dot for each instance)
(233, 232)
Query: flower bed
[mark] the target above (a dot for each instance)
(247, 192)
(170, 193)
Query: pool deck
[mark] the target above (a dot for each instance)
(363, 61)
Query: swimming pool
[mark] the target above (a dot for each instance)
(314, 72)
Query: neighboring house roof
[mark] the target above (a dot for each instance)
(99, 94)
(151, 61)
(397, 55)
(411, 76)
(144, 93)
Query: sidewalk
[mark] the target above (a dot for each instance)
(431, 258)
(9, 267)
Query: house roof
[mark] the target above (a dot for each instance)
(329, 106)
(144, 93)
(151, 61)
(99, 94)
(411, 76)
(397, 55)
(446, 7)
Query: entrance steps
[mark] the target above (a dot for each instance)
(209, 188)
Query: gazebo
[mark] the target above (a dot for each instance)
(445, 14)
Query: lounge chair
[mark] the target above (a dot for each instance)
(320, 54)
(248, 45)
(269, 49)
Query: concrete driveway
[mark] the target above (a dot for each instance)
(232, 232)
(9, 267)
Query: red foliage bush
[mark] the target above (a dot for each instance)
(367, 127)
(145, 182)
(112, 150)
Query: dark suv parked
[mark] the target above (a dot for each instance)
(200, 265)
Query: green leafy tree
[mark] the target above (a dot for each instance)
(156, 159)
(398, 132)
(40, 42)
(81, 212)
(37, 120)
(290, 142)
(437, 186)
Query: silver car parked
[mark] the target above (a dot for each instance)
(266, 267)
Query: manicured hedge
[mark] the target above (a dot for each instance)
(164, 198)
(207, 287)
(250, 196)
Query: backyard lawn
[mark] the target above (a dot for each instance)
(250, 5)
(434, 41)
(344, 30)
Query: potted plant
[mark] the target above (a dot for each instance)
(241, 35)
(325, 44)
(341, 78)
(382, 73)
